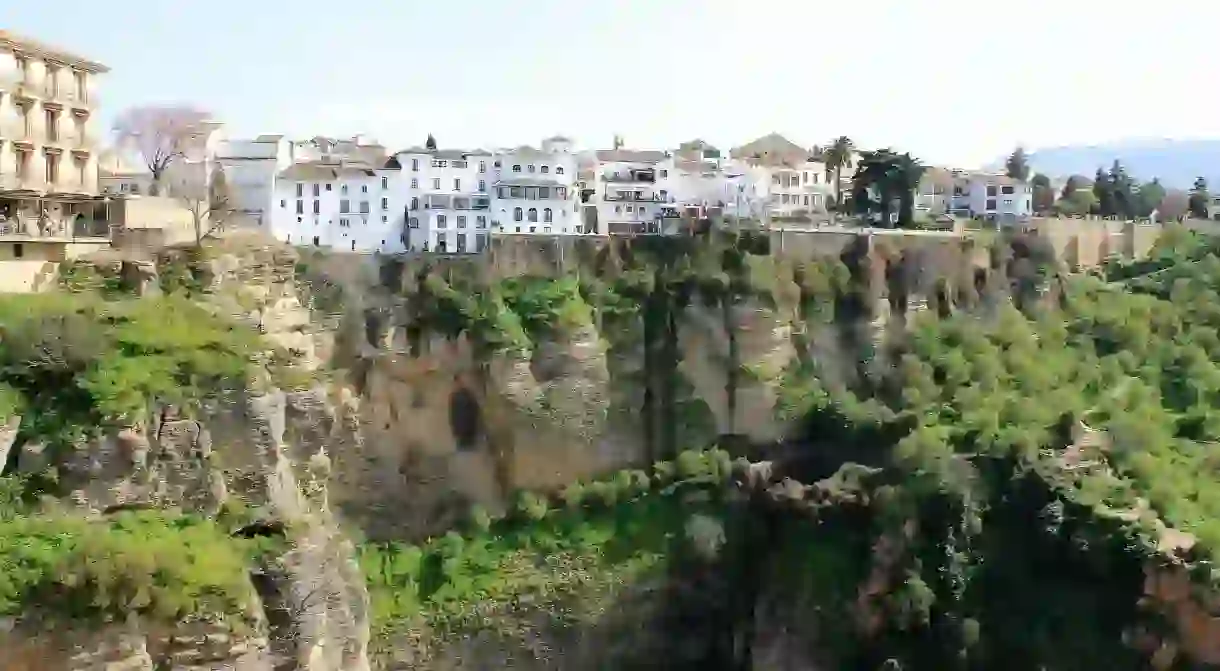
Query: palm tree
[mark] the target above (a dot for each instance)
(837, 157)
(908, 173)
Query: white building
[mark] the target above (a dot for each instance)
(999, 198)
(447, 193)
(535, 191)
(623, 196)
(783, 179)
(343, 205)
(250, 168)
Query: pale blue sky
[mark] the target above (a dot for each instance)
(953, 81)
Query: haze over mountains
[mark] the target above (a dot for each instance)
(1176, 162)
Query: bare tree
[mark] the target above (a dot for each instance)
(162, 134)
(210, 203)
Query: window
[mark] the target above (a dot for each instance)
(459, 164)
(440, 245)
(533, 229)
(664, 174)
(480, 242)
(559, 170)
(544, 169)
(300, 190)
(344, 206)
(517, 191)
(343, 188)
(317, 207)
(546, 229)
(413, 222)
(364, 207)
(415, 165)
(461, 221)
(364, 188)
(561, 192)
(533, 214)
(480, 221)
(990, 190)
(283, 203)
(806, 200)
(385, 182)
(482, 166)
(547, 215)
(437, 163)
(415, 203)
(457, 184)
(518, 214)
(385, 203)
(330, 187)
(516, 168)
(300, 207)
(1007, 190)
(530, 167)
(991, 203)
(52, 123)
(436, 183)
(18, 250)
(440, 221)
(414, 183)
(461, 244)
(383, 220)
(482, 186)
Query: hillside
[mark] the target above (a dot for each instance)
(1176, 162)
(695, 453)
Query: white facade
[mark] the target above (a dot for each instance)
(250, 168)
(447, 198)
(346, 207)
(535, 191)
(626, 192)
(1000, 198)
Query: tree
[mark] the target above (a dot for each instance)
(1104, 194)
(163, 135)
(882, 178)
(1149, 198)
(1017, 165)
(1122, 191)
(1199, 197)
(618, 141)
(430, 143)
(210, 203)
(837, 157)
(1043, 193)
(1174, 205)
(1077, 202)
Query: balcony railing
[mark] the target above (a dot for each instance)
(647, 176)
(634, 197)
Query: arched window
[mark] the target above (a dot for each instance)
(517, 212)
(559, 170)
(545, 169)
(414, 222)
(516, 168)
(547, 216)
(533, 214)
(414, 203)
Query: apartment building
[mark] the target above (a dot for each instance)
(48, 162)
(448, 199)
(250, 168)
(622, 196)
(535, 190)
(999, 198)
(786, 180)
(344, 205)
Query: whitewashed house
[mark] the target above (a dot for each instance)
(345, 206)
(447, 195)
(535, 190)
(623, 196)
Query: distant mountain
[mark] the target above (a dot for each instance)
(1176, 162)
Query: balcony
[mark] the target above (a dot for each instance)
(632, 197)
(646, 176)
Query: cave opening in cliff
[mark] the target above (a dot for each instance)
(464, 418)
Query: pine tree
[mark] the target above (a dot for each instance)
(1103, 190)
(1018, 165)
(1199, 197)
(430, 145)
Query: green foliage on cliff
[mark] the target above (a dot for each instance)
(78, 363)
(159, 564)
(1037, 456)
(564, 557)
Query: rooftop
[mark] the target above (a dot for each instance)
(17, 44)
(450, 154)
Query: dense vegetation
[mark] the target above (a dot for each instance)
(72, 366)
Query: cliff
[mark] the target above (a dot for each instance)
(487, 463)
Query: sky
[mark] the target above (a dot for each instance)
(955, 82)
